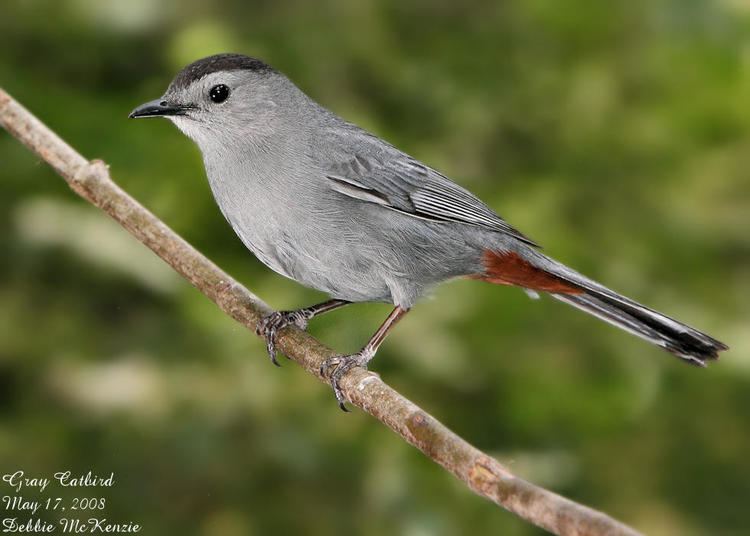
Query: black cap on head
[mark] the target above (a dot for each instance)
(219, 62)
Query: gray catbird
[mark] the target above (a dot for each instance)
(336, 208)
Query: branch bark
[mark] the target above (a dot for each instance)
(483, 474)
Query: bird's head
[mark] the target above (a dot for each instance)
(223, 99)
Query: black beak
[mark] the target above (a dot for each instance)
(158, 108)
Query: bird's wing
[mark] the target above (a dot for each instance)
(373, 171)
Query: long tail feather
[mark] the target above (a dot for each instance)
(679, 339)
(535, 271)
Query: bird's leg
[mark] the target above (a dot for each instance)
(335, 367)
(270, 325)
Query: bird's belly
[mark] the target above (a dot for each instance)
(302, 254)
(262, 244)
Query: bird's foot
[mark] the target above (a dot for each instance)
(270, 325)
(334, 368)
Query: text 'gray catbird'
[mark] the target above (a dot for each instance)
(336, 208)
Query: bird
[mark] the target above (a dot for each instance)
(338, 209)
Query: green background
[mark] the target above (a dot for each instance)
(616, 134)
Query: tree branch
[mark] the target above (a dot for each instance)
(483, 474)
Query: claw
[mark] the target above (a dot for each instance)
(271, 348)
(269, 326)
(334, 368)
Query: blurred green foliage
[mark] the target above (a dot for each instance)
(615, 133)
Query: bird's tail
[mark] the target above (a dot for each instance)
(538, 272)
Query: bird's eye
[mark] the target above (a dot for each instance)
(219, 93)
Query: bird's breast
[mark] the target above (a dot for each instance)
(254, 209)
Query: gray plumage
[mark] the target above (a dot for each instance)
(336, 208)
(328, 204)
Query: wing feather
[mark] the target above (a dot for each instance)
(373, 171)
